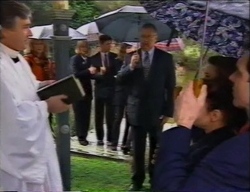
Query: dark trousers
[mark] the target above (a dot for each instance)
(82, 111)
(127, 137)
(104, 106)
(139, 147)
(118, 115)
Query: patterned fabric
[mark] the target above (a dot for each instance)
(175, 45)
(146, 64)
(225, 33)
(42, 68)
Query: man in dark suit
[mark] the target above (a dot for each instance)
(104, 61)
(150, 74)
(120, 101)
(226, 167)
(82, 109)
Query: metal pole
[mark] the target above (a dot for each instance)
(61, 42)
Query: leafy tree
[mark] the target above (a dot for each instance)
(106, 6)
(40, 10)
(190, 56)
(85, 11)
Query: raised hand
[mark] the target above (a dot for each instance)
(188, 106)
(135, 59)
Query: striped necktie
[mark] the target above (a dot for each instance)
(146, 64)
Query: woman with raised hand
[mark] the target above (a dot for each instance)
(226, 166)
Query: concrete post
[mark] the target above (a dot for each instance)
(61, 41)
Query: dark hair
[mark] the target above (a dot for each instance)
(149, 26)
(225, 66)
(221, 98)
(11, 10)
(104, 38)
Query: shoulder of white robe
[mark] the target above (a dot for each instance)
(27, 67)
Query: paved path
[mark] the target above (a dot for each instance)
(99, 151)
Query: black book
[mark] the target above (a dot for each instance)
(69, 86)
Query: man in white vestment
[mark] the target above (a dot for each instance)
(28, 159)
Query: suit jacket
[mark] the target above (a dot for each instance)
(225, 168)
(121, 89)
(80, 69)
(206, 144)
(150, 98)
(104, 84)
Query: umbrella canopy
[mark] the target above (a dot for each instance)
(45, 32)
(124, 24)
(227, 25)
(91, 31)
(89, 28)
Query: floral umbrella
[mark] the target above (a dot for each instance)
(175, 45)
(227, 24)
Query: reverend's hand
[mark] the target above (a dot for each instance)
(188, 106)
(56, 104)
(46, 83)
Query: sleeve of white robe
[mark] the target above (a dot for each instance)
(23, 135)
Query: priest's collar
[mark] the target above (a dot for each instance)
(12, 53)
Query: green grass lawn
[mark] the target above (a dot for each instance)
(97, 175)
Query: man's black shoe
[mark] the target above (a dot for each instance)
(84, 142)
(100, 143)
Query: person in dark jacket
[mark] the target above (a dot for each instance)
(120, 100)
(150, 74)
(82, 109)
(104, 62)
(219, 119)
(225, 167)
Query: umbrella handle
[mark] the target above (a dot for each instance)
(198, 74)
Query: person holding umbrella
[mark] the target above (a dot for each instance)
(150, 74)
(226, 167)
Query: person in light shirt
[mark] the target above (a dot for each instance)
(27, 150)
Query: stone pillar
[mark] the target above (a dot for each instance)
(61, 41)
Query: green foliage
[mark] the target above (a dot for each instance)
(85, 11)
(190, 56)
(106, 6)
(40, 10)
